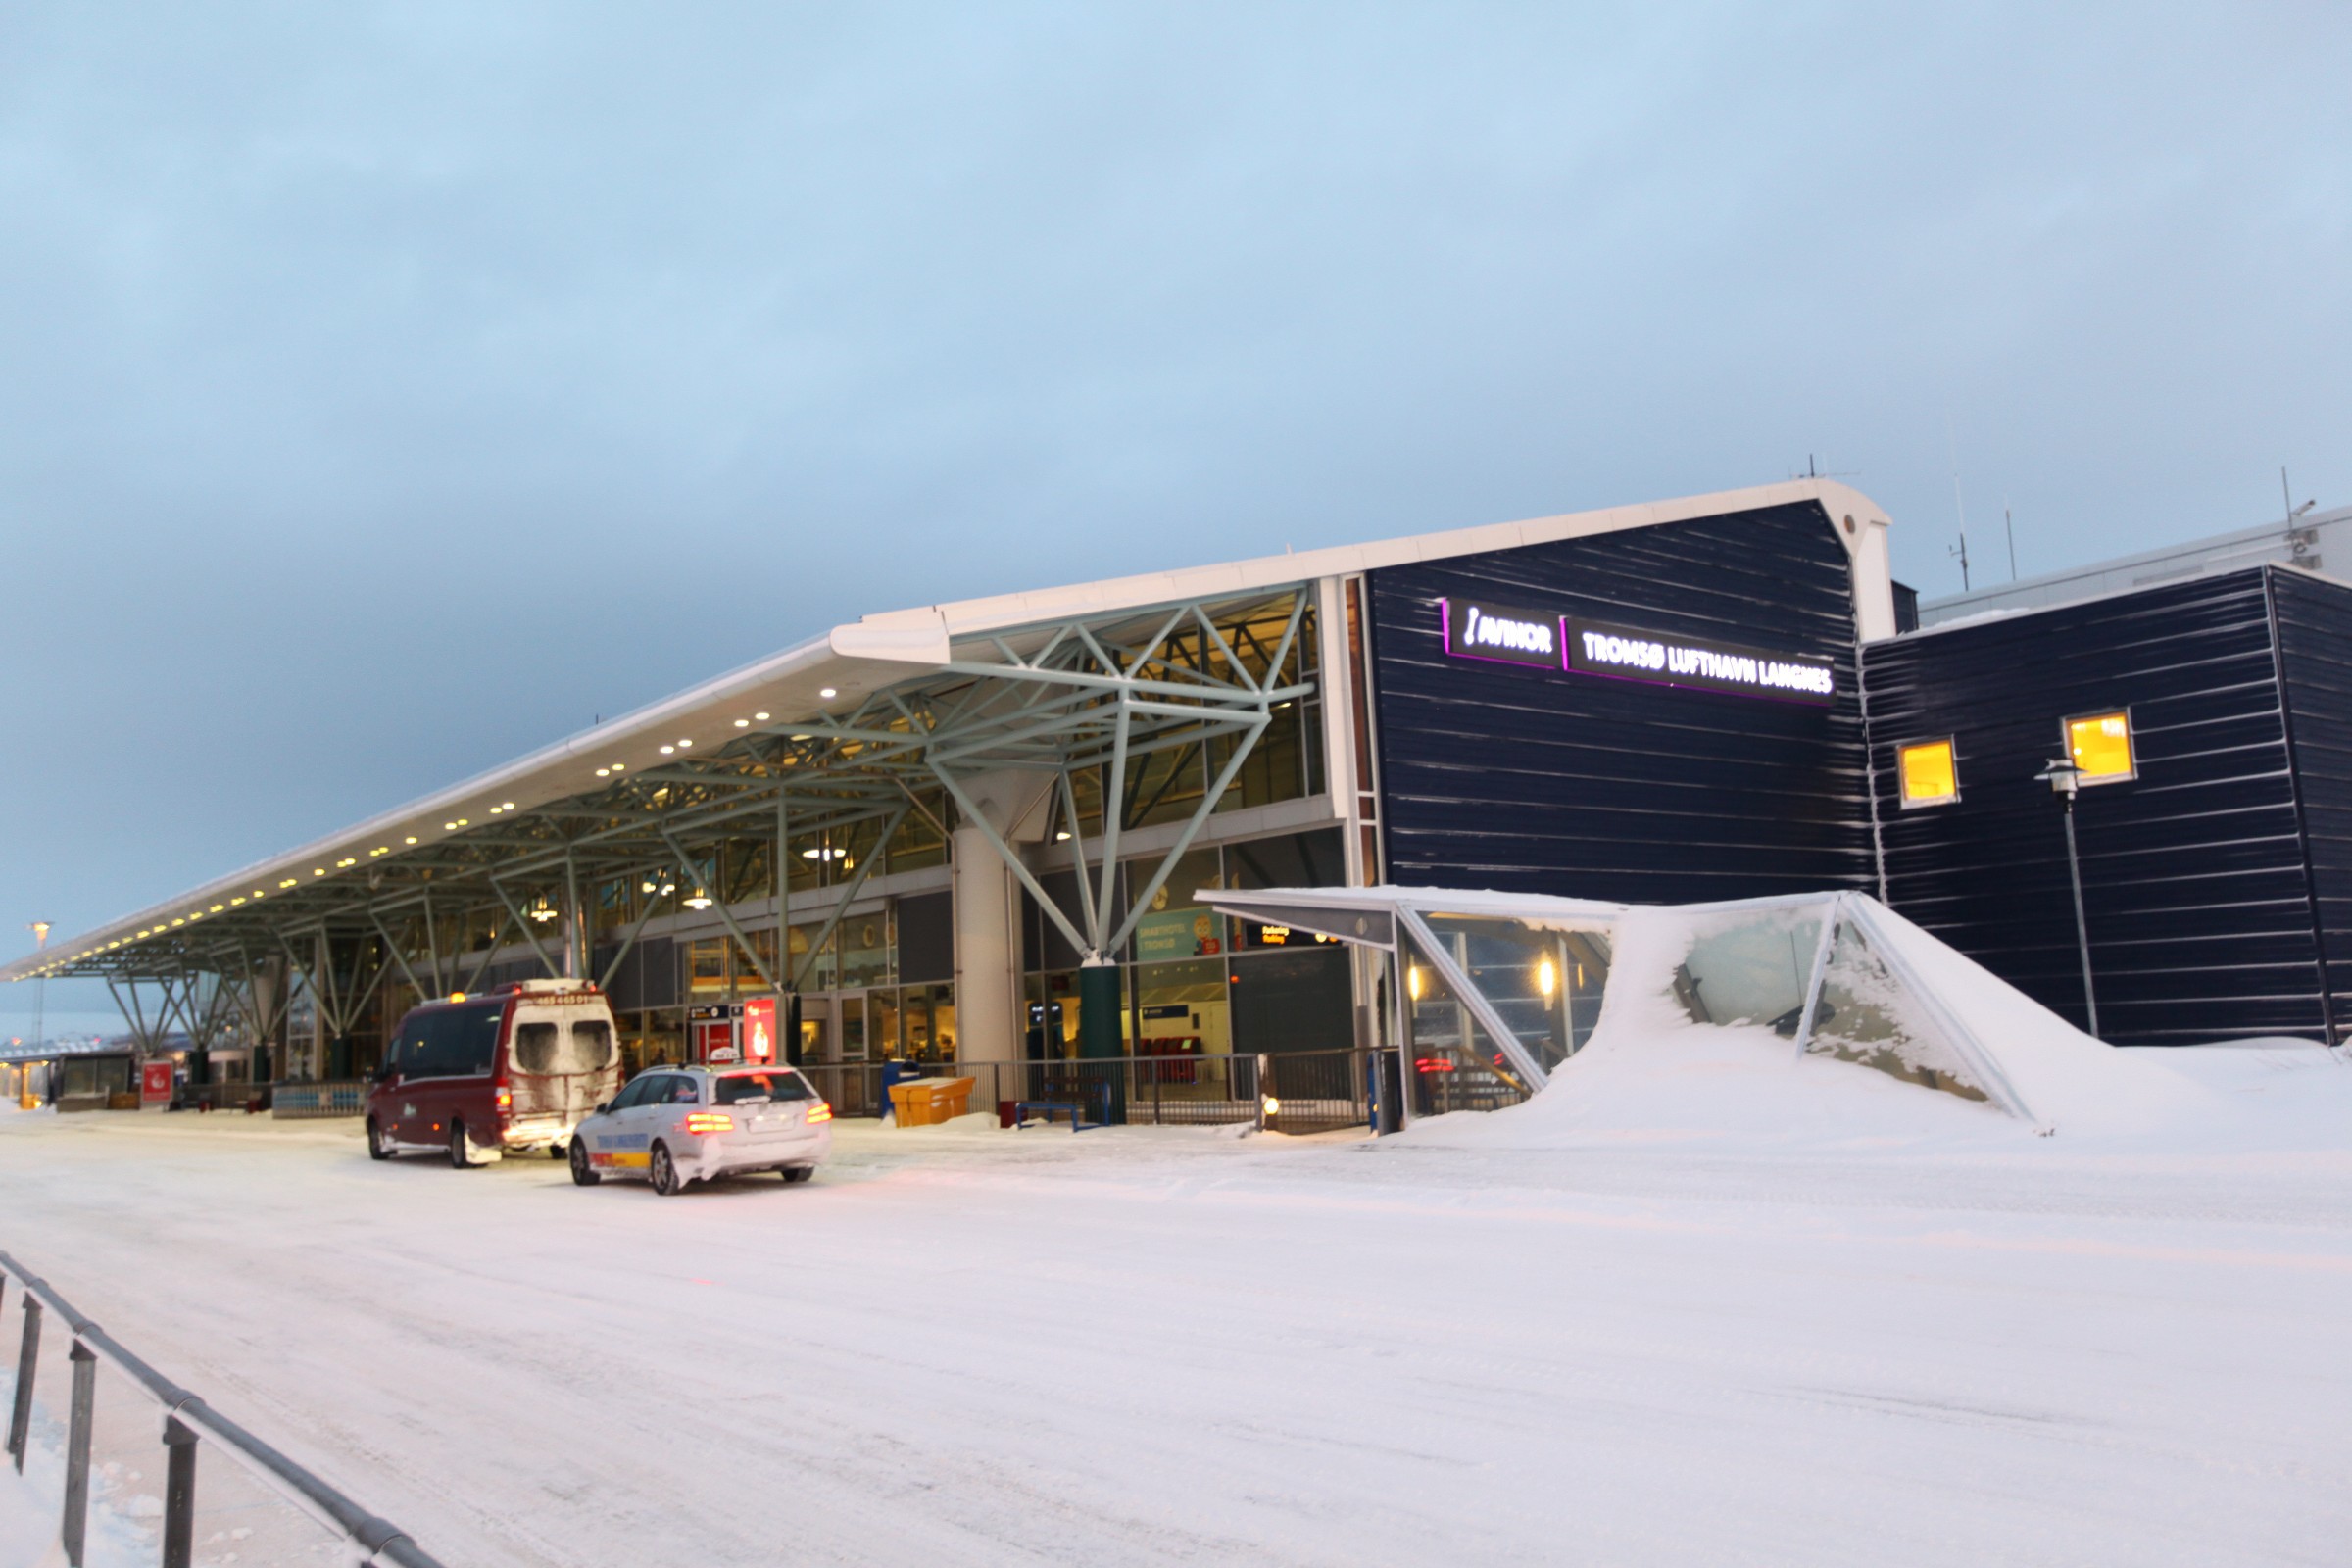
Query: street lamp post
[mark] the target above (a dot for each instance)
(2065, 778)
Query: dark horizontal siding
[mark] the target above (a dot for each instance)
(2193, 877)
(2314, 653)
(1495, 777)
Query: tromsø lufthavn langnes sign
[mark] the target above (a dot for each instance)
(1535, 639)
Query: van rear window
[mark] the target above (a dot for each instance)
(743, 1087)
(545, 1048)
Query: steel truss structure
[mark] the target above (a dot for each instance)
(1082, 705)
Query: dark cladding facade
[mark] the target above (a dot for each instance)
(2217, 882)
(1530, 777)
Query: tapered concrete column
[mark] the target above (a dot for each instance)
(988, 978)
(990, 1014)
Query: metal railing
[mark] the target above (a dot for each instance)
(1314, 1091)
(334, 1098)
(187, 1419)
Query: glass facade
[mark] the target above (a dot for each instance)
(1195, 985)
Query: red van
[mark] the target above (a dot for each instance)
(515, 1069)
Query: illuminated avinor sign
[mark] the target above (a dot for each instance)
(1494, 631)
(1595, 648)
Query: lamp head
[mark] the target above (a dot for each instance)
(2062, 775)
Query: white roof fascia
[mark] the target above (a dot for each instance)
(879, 650)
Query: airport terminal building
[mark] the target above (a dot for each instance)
(988, 833)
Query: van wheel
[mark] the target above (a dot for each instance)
(460, 1147)
(663, 1172)
(555, 1150)
(584, 1174)
(378, 1146)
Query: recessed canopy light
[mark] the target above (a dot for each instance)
(604, 772)
(761, 717)
(683, 744)
(506, 806)
(668, 750)
(287, 883)
(620, 767)
(239, 899)
(318, 871)
(380, 849)
(411, 839)
(828, 693)
(743, 724)
(217, 908)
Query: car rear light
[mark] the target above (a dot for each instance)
(700, 1122)
(818, 1110)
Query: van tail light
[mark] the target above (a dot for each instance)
(699, 1122)
(818, 1110)
(506, 1097)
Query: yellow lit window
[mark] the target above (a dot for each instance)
(2101, 746)
(1927, 774)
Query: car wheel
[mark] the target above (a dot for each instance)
(584, 1174)
(799, 1173)
(460, 1147)
(662, 1171)
(555, 1150)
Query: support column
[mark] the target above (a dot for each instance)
(989, 1013)
(988, 978)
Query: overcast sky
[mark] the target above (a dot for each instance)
(385, 391)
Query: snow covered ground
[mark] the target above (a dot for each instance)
(1532, 1338)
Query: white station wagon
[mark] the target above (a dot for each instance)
(675, 1125)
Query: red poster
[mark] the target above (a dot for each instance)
(155, 1083)
(760, 1030)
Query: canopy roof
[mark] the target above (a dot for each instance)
(839, 723)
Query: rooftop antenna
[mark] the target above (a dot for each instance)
(2009, 527)
(2287, 492)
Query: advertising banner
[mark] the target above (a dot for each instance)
(155, 1084)
(760, 1030)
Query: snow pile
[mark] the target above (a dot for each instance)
(2012, 1069)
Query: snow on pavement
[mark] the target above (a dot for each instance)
(1139, 1346)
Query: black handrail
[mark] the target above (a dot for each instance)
(379, 1539)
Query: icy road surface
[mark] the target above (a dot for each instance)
(1133, 1348)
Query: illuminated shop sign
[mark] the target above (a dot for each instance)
(1595, 648)
(1475, 631)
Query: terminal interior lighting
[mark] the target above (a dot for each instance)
(543, 912)
(1412, 981)
(697, 900)
(664, 889)
(1548, 977)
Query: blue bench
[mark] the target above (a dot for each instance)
(1071, 1101)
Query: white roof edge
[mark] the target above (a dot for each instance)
(882, 648)
(2259, 534)
(1003, 612)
